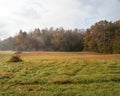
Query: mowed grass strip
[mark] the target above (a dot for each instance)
(60, 74)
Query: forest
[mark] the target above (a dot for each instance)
(102, 37)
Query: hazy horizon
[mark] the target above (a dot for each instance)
(30, 14)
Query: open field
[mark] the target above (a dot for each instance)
(60, 74)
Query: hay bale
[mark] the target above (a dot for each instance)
(15, 59)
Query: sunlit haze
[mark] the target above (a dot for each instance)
(30, 14)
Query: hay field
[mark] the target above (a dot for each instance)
(60, 74)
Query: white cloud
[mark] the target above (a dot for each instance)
(29, 14)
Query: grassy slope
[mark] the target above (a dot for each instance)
(60, 74)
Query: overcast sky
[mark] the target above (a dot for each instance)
(30, 14)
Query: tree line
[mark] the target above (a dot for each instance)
(102, 37)
(51, 39)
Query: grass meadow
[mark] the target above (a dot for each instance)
(60, 74)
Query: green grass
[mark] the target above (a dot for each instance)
(60, 74)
